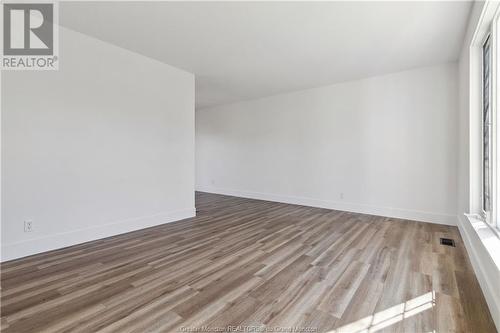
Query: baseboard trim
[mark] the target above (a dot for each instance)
(53, 242)
(488, 283)
(337, 205)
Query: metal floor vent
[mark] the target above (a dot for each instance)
(447, 242)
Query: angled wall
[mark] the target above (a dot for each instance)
(103, 146)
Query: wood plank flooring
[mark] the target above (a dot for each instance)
(252, 263)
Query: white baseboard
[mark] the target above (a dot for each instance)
(339, 205)
(486, 269)
(57, 241)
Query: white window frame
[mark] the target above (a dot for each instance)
(487, 214)
(495, 102)
(488, 28)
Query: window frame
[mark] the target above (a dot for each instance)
(494, 220)
(486, 212)
(489, 34)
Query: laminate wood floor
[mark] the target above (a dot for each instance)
(252, 263)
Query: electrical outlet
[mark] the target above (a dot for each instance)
(341, 196)
(28, 226)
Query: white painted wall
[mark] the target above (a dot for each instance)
(103, 146)
(464, 100)
(482, 245)
(384, 145)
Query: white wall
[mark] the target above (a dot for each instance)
(477, 237)
(463, 137)
(103, 146)
(384, 145)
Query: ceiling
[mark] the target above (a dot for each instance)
(246, 50)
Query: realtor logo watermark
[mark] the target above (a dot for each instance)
(30, 36)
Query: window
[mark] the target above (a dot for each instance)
(483, 150)
(487, 169)
(487, 204)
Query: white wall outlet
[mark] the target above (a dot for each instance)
(341, 196)
(28, 226)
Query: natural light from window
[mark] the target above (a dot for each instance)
(391, 316)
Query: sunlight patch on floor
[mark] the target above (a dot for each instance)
(390, 316)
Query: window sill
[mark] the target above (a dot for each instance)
(488, 237)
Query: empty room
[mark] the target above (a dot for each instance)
(266, 166)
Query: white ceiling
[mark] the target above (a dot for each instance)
(245, 50)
